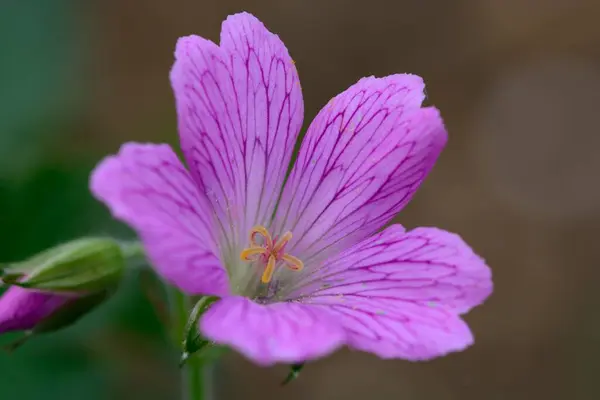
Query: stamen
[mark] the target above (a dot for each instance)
(293, 263)
(268, 274)
(282, 242)
(271, 252)
(250, 253)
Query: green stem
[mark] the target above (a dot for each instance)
(132, 249)
(134, 253)
(194, 381)
(193, 371)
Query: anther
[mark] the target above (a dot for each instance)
(270, 252)
(250, 253)
(282, 242)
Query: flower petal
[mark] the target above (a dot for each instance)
(240, 109)
(400, 294)
(147, 187)
(362, 159)
(273, 333)
(22, 309)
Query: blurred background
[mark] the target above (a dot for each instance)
(518, 83)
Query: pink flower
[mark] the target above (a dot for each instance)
(300, 267)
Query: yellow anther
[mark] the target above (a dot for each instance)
(270, 252)
(264, 233)
(282, 242)
(294, 263)
(250, 253)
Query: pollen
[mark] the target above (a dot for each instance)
(270, 251)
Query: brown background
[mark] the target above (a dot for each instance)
(518, 83)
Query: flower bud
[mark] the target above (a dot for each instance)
(56, 287)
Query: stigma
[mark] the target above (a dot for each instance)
(270, 251)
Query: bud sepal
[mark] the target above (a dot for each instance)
(193, 341)
(85, 265)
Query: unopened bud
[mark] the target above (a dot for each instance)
(56, 287)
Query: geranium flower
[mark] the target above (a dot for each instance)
(300, 267)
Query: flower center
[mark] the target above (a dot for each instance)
(270, 252)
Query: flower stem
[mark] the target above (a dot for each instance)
(134, 253)
(193, 371)
(194, 382)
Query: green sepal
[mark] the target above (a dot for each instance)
(14, 345)
(71, 312)
(295, 370)
(12, 271)
(84, 265)
(193, 341)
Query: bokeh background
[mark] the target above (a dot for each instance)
(518, 83)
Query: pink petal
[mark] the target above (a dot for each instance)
(400, 294)
(240, 110)
(362, 159)
(147, 187)
(273, 333)
(391, 329)
(22, 309)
